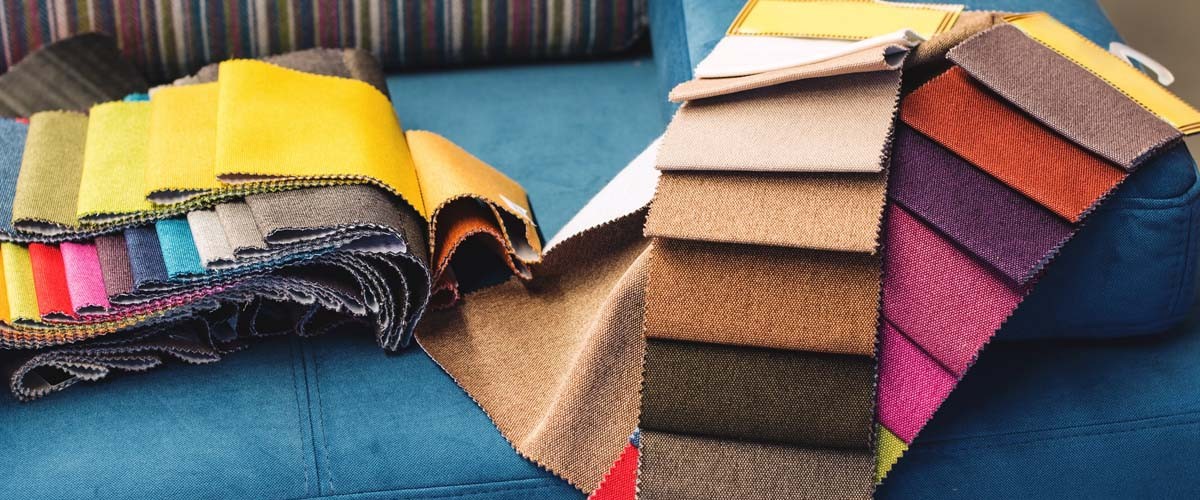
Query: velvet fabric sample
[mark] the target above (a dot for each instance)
(761, 395)
(767, 297)
(684, 467)
(85, 279)
(50, 280)
(965, 118)
(995, 223)
(51, 168)
(800, 210)
(912, 385)
(18, 278)
(178, 250)
(182, 143)
(112, 184)
(832, 124)
(146, 262)
(114, 263)
(1064, 96)
(86, 69)
(12, 147)
(211, 245)
(356, 64)
(944, 300)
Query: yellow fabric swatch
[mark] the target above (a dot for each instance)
(889, 450)
(841, 19)
(1110, 68)
(448, 172)
(114, 162)
(18, 278)
(183, 143)
(5, 315)
(279, 124)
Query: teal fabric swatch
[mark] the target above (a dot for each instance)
(178, 249)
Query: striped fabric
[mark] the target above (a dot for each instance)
(170, 39)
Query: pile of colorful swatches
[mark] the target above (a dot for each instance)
(255, 198)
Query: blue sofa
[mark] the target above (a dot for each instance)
(334, 417)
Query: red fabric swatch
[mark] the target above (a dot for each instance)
(50, 280)
(968, 119)
(621, 481)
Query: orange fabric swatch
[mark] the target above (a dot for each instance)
(959, 113)
(459, 221)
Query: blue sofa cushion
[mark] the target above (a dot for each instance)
(1133, 268)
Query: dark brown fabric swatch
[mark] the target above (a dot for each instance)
(114, 263)
(71, 74)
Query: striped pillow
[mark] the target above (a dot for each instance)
(171, 39)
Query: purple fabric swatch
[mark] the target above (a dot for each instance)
(990, 220)
(114, 264)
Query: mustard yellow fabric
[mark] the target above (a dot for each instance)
(1110, 68)
(275, 123)
(889, 450)
(5, 315)
(18, 279)
(114, 161)
(447, 172)
(841, 19)
(183, 143)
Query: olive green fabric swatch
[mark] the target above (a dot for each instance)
(51, 169)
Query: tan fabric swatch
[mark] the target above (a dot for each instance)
(818, 211)
(682, 467)
(885, 58)
(556, 362)
(48, 185)
(832, 124)
(772, 297)
(240, 229)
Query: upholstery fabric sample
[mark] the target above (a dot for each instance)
(18, 278)
(1064, 96)
(112, 184)
(1110, 68)
(211, 245)
(768, 297)
(962, 116)
(114, 263)
(801, 210)
(50, 280)
(911, 384)
(86, 69)
(832, 124)
(12, 148)
(356, 64)
(5, 312)
(182, 148)
(621, 481)
(762, 395)
(928, 59)
(945, 301)
(85, 279)
(875, 58)
(735, 55)
(241, 231)
(146, 262)
(629, 191)
(313, 118)
(888, 450)
(996, 224)
(178, 250)
(854, 20)
(683, 467)
(51, 168)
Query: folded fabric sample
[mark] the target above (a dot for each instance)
(85, 69)
(846, 20)
(47, 188)
(735, 56)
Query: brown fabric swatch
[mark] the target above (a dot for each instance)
(357, 64)
(70, 74)
(804, 210)
(682, 467)
(1064, 96)
(928, 59)
(114, 264)
(832, 124)
(762, 395)
(556, 362)
(48, 185)
(884, 58)
(773, 297)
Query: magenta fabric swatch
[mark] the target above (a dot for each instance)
(989, 219)
(943, 299)
(85, 280)
(911, 384)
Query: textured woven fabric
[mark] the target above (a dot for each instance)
(178, 250)
(114, 264)
(833, 124)
(621, 481)
(168, 42)
(965, 118)
(944, 300)
(763, 296)
(928, 59)
(682, 467)
(211, 245)
(50, 280)
(85, 279)
(1064, 96)
(841, 20)
(182, 144)
(911, 384)
(112, 183)
(736, 55)
(18, 278)
(888, 450)
(802, 210)
(241, 231)
(48, 184)
(86, 70)
(12, 148)
(760, 395)
(146, 262)
(356, 64)
(993, 222)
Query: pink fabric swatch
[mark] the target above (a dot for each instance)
(85, 280)
(944, 300)
(911, 385)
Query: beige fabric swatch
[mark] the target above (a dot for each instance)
(832, 124)
(804, 210)
(571, 403)
(240, 229)
(48, 184)
(211, 244)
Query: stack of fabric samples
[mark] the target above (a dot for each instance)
(253, 198)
